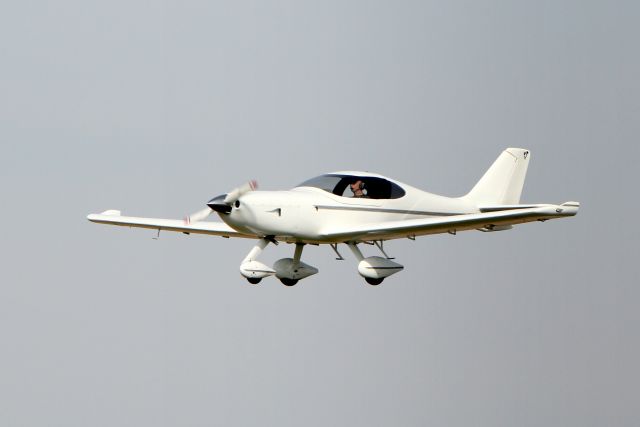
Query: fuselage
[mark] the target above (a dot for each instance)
(301, 214)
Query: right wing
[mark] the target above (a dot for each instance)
(488, 220)
(113, 217)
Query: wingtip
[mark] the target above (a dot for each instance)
(569, 208)
(109, 212)
(574, 204)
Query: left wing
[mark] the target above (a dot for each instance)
(451, 224)
(113, 217)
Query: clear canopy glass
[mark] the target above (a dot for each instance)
(369, 187)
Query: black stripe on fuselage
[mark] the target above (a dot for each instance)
(385, 210)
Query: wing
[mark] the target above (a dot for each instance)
(113, 217)
(486, 221)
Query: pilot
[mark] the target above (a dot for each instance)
(357, 188)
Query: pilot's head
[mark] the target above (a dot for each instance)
(357, 187)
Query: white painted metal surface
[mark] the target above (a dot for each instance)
(354, 207)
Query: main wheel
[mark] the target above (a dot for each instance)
(254, 280)
(288, 282)
(372, 281)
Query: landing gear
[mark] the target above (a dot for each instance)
(373, 282)
(374, 269)
(253, 270)
(291, 270)
(288, 282)
(288, 270)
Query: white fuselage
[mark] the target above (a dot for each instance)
(351, 208)
(301, 214)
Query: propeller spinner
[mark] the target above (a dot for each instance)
(222, 203)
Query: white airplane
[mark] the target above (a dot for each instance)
(354, 208)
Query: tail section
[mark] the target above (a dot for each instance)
(502, 183)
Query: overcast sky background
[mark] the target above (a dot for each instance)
(154, 107)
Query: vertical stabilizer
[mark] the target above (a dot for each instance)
(502, 183)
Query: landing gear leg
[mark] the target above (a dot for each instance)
(256, 250)
(254, 271)
(356, 251)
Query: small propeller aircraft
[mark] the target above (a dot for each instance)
(353, 208)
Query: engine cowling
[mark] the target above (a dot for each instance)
(288, 268)
(375, 267)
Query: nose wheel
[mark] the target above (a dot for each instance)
(254, 280)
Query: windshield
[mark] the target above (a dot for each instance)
(368, 187)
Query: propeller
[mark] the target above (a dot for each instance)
(235, 194)
(198, 216)
(222, 203)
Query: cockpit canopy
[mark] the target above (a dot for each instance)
(373, 187)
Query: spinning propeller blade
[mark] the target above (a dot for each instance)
(198, 216)
(236, 193)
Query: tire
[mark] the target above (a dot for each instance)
(288, 282)
(254, 280)
(373, 282)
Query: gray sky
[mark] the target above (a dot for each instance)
(154, 107)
